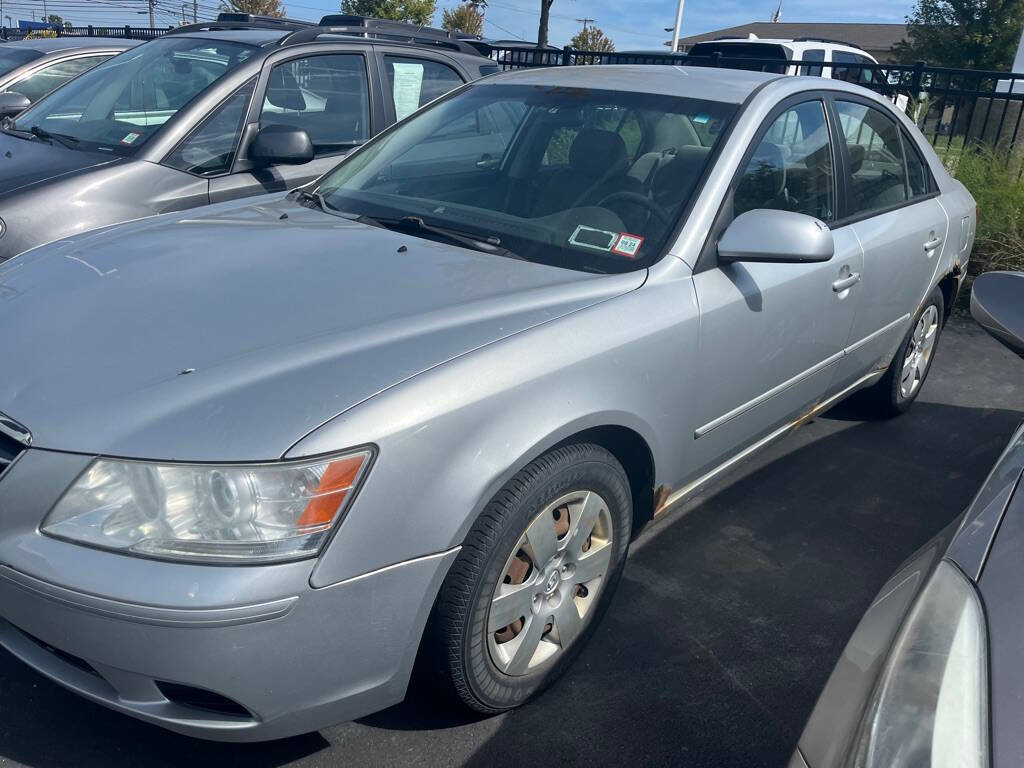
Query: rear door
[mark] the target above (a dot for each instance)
(771, 334)
(892, 207)
(329, 94)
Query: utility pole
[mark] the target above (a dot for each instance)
(584, 21)
(152, 22)
(678, 27)
(195, 11)
(184, 20)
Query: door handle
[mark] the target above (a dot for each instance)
(843, 283)
(932, 244)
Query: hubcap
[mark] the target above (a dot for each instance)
(919, 351)
(550, 583)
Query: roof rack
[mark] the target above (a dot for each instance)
(242, 21)
(381, 29)
(825, 40)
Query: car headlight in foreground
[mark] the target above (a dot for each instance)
(931, 707)
(231, 513)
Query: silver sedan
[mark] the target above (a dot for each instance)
(259, 457)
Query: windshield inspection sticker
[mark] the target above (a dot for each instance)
(597, 239)
(130, 138)
(627, 245)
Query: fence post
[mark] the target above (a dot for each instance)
(566, 53)
(90, 30)
(716, 59)
(915, 83)
(127, 31)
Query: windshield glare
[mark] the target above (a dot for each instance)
(121, 103)
(586, 179)
(11, 58)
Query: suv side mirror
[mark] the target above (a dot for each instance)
(281, 144)
(779, 236)
(12, 103)
(997, 303)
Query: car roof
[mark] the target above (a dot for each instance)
(796, 44)
(731, 86)
(49, 44)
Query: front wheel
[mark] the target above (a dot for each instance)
(533, 578)
(898, 389)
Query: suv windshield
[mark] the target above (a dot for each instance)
(121, 103)
(586, 179)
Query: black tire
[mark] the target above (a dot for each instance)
(457, 634)
(884, 399)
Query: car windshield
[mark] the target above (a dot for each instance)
(11, 58)
(587, 179)
(121, 103)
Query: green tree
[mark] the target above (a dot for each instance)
(466, 19)
(412, 11)
(981, 34)
(592, 39)
(255, 7)
(57, 21)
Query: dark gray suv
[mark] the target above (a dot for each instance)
(214, 111)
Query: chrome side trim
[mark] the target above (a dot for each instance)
(14, 430)
(817, 368)
(184, 618)
(765, 396)
(872, 336)
(824, 405)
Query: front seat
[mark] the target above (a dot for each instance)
(598, 166)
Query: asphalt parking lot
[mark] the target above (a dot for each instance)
(730, 616)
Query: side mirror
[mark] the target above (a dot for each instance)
(779, 236)
(997, 303)
(281, 145)
(12, 103)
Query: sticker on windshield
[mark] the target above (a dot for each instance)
(130, 138)
(701, 119)
(627, 245)
(597, 239)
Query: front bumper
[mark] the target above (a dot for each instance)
(229, 653)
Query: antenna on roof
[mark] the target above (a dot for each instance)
(777, 16)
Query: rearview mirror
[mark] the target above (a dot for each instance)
(281, 145)
(997, 303)
(12, 103)
(779, 236)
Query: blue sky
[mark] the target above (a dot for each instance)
(632, 24)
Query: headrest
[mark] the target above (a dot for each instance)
(766, 172)
(598, 153)
(283, 90)
(679, 173)
(857, 154)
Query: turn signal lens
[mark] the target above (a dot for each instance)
(203, 513)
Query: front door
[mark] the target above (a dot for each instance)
(901, 227)
(771, 334)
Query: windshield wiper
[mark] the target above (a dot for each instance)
(317, 199)
(41, 133)
(414, 224)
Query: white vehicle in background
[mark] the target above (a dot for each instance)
(802, 56)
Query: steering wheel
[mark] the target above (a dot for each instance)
(632, 197)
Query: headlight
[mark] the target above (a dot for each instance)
(231, 513)
(931, 708)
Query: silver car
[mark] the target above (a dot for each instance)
(262, 455)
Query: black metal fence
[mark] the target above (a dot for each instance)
(953, 107)
(126, 31)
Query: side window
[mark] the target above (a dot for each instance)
(210, 148)
(42, 81)
(792, 167)
(326, 96)
(810, 58)
(878, 175)
(415, 82)
(918, 175)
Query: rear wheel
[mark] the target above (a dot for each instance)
(533, 578)
(898, 389)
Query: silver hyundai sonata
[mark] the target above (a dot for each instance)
(260, 456)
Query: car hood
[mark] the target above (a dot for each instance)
(230, 333)
(28, 161)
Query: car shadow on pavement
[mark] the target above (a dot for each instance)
(728, 621)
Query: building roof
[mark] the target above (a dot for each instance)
(868, 37)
